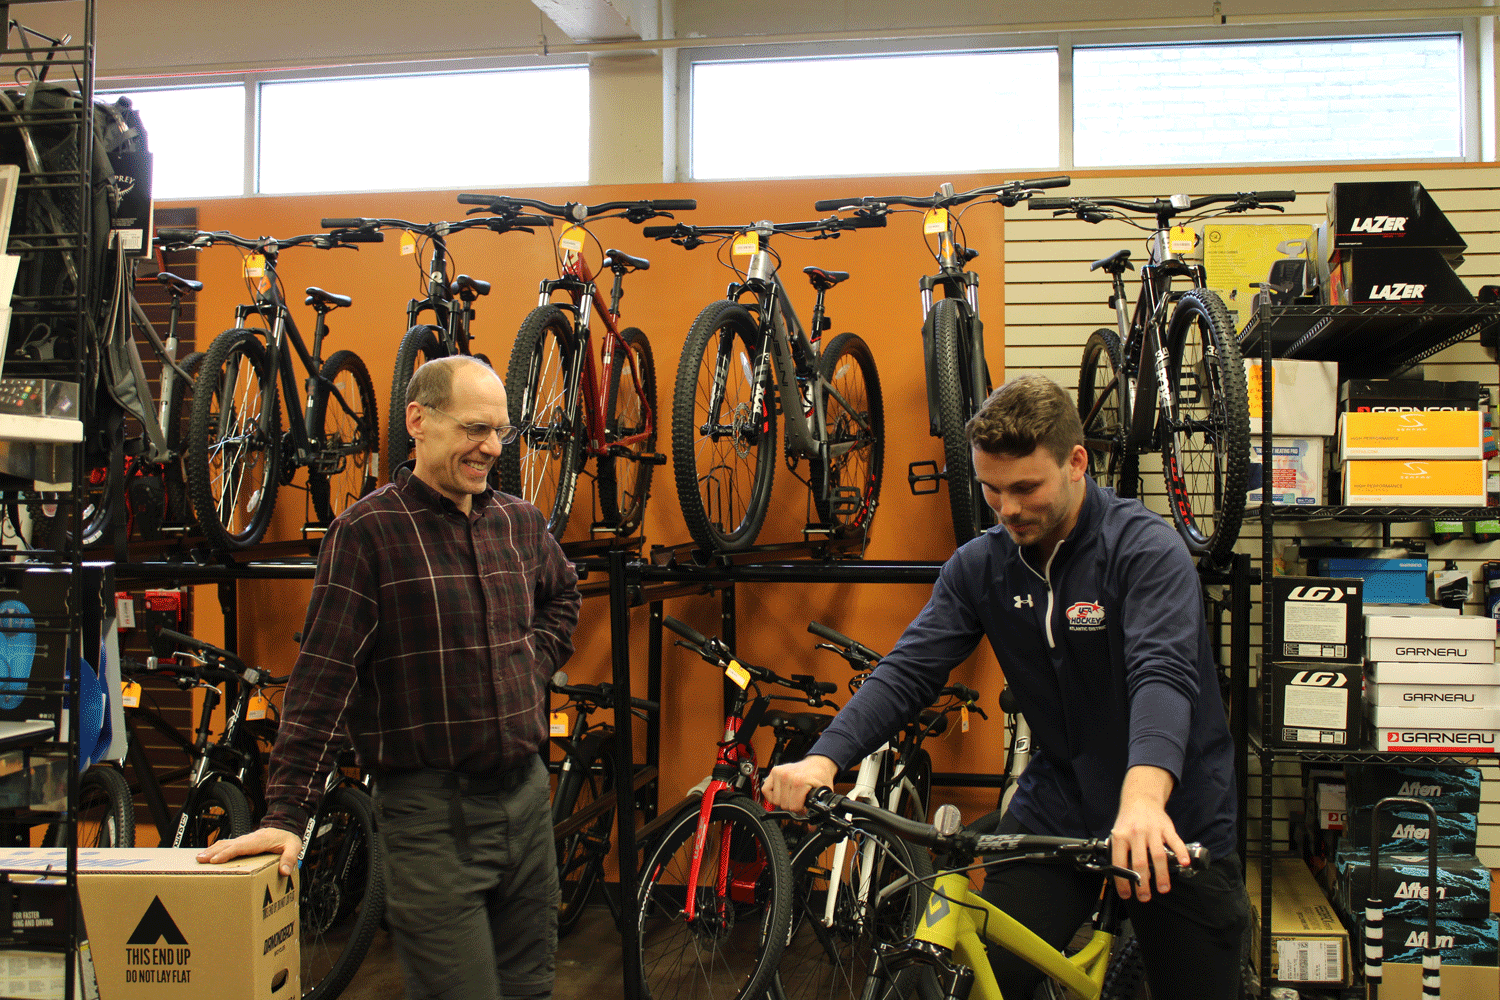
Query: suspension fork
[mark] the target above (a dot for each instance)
(732, 754)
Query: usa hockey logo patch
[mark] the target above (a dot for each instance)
(1085, 616)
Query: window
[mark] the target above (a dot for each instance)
(424, 132)
(196, 136)
(955, 112)
(1325, 100)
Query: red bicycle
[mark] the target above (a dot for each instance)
(568, 407)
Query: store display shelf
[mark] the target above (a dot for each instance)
(1369, 755)
(42, 430)
(1368, 341)
(1282, 512)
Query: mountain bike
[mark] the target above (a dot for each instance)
(583, 806)
(950, 938)
(569, 408)
(1170, 377)
(727, 397)
(450, 300)
(958, 378)
(236, 453)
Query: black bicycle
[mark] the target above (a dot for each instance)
(958, 378)
(1170, 377)
(237, 456)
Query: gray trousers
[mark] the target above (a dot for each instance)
(473, 894)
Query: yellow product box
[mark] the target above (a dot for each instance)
(1237, 256)
(1446, 434)
(1415, 483)
(1459, 982)
(1304, 396)
(1308, 943)
(162, 925)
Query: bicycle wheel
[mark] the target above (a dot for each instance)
(854, 414)
(959, 398)
(234, 450)
(52, 513)
(729, 949)
(342, 897)
(625, 482)
(419, 345)
(346, 434)
(213, 812)
(179, 411)
(543, 466)
(723, 442)
(106, 811)
(581, 854)
(1111, 462)
(1206, 446)
(1125, 978)
(878, 898)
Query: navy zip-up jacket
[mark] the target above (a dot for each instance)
(1106, 649)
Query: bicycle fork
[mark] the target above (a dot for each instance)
(734, 880)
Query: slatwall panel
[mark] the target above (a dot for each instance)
(1053, 302)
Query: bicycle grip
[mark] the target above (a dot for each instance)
(675, 204)
(863, 222)
(176, 235)
(834, 204)
(181, 639)
(1060, 181)
(362, 236)
(658, 232)
(342, 223)
(686, 631)
(824, 632)
(645, 704)
(1045, 203)
(1275, 195)
(479, 199)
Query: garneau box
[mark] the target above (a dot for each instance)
(1407, 395)
(162, 925)
(1426, 717)
(1308, 943)
(1396, 695)
(1394, 277)
(1475, 674)
(1403, 739)
(1315, 705)
(1429, 639)
(1402, 214)
(1317, 619)
(1463, 890)
(1406, 830)
(1447, 434)
(1449, 789)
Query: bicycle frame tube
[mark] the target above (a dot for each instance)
(863, 791)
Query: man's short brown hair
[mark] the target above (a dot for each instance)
(432, 384)
(1026, 412)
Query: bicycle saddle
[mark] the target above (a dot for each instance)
(182, 284)
(463, 281)
(809, 724)
(619, 260)
(318, 297)
(1115, 263)
(823, 280)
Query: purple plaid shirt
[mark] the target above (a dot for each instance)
(430, 639)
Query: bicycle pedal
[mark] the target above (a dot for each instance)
(913, 477)
(847, 500)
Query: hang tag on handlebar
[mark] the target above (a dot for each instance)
(746, 245)
(130, 694)
(935, 221)
(257, 707)
(255, 265)
(738, 674)
(408, 243)
(557, 723)
(570, 240)
(963, 718)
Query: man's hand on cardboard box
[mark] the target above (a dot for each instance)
(266, 840)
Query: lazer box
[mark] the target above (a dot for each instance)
(1315, 706)
(1390, 214)
(1317, 619)
(1429, 639)
(1394, 277)
(1407, 395)
(1414, 483)
(162, 925)
(1446, 434)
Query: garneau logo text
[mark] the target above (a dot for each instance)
(1319, 678)
(1380, 224)
(1429, 651)
(1405, 409)
(1439, 736)
(1397, 291)
(1431, 696)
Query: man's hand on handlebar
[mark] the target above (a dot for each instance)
(787, 786)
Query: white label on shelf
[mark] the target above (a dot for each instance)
(125, 611)
(1308, 961)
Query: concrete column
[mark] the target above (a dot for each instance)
(629, 127)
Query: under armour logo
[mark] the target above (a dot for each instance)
(1023, 600)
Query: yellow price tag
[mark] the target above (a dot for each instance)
(936, 221)
(963, 718)
(257, 707)
(1183, 239)
(746, 244)
(255, 265)
(557, 724)
(571, 239)
(130, 694)
(408, 243)
(738, 674)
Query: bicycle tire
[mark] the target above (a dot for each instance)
(106, 811)
(179, 510)
(1125, 977)
(51, 519)
(419, 345)
(743, 935)
(580, 856)
(724, 504)
(542, 467)
(847, 364)
(232, 466)
(1099, 381)
(1206, 445)
(213, 812)
(624, 484)
(836, 961)
(342, 895)
(959, 399)
(346, 436)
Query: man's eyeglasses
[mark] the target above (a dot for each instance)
(507, 433)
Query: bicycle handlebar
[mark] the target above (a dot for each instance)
(266, 244)
(714, 651)
(631, 211)
(1161, 207)
(595, 694)
(1009, 193)
(253, 676)
(830, 226)
(839, 639)
(518, 223)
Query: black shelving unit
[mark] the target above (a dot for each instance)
(1368, 341)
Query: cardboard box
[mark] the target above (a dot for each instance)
(1463, 883)
(1315, 705)
(1387, 581)
(1304, 397)
(1407, 395)
(1437, 434)
(1460, 943)
(1401, 739)
(1424, 717)
(1483, 674)
(1389, 214)
(1308, 943)
(1407, 830)
(1417, 276)
(1238, 256)
(160, 924)
(1448, 788)
(1327, 801)
(1318, 620)
(1429, 639)
(1432, 695)
(1297, 474)
(1414, 483)
(1459, 982)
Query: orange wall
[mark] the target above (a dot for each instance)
(880, 302)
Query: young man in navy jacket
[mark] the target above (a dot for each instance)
(1092, 606)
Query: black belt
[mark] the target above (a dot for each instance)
(457, 785)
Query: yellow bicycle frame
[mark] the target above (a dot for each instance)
(958, 921)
